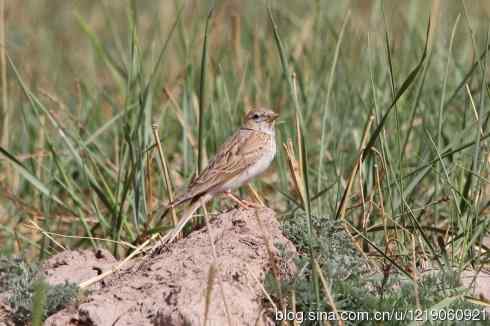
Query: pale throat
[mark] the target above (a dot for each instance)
(265, 128)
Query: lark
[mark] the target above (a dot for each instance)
(244, 156)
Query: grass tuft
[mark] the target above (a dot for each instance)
(29, 296)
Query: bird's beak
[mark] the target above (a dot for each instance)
(273, 117)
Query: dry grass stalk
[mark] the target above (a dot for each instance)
(299, 135)
(473, 106)
(122, 243)
(381, 204)
(326, 292)
(294, 169)
(357, 165)
(46, 234)
(117, 267)
(209, 290)
(267, 295)
(168, 182)
(180, 118)
(255, 195)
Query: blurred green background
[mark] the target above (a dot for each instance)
(77, 155)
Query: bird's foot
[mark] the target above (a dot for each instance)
(245, 204)
(251, 204)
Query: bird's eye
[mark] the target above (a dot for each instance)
(255, 116)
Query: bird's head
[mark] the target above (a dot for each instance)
(260, 119)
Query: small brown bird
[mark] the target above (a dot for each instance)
(245, 155)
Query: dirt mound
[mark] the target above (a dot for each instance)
(77, 266)
(171, 287)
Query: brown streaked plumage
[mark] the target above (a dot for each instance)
(245, 155)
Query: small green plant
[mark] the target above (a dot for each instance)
(29, 292)
(352, 287)
(339, 260)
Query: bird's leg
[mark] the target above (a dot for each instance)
(252, 204)
(237, 200)
(241, 202)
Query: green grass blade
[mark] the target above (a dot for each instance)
(405, 85)
(31, 178)
(202, 92)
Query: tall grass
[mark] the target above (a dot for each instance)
(387, 123)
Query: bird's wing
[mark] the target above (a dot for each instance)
(241, 151)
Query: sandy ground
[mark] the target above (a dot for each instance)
(170, 288)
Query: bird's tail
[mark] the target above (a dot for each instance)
(186, 217)
(163, 211)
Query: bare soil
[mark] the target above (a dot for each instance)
(170, 287)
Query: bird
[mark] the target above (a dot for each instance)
(244, 156)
